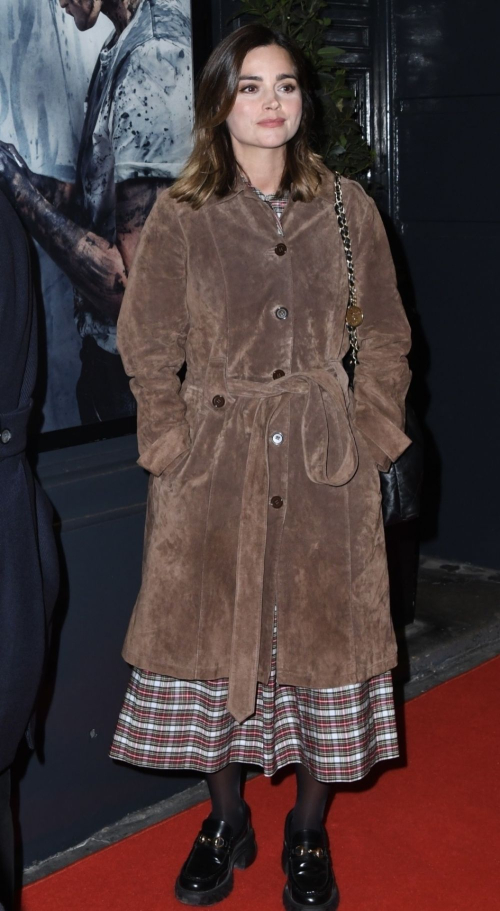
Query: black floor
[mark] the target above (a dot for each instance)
(457, 625)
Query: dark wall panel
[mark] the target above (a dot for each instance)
(447, 149)
(462, 506)
(446, 205)
(71, 788)
(446, 48)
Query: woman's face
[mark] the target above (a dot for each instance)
(268, 106)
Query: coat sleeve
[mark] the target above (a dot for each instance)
(382, 377)
(152, 331)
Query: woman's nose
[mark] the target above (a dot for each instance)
(271, 102)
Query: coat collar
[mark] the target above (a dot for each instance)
(242, 189)
(326, 191)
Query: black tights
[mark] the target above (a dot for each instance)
(312, 796)
(228, 804)
(225, 794)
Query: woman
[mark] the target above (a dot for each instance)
(262, 632)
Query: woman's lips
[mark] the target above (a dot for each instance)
(271, 123)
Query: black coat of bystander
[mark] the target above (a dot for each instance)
(28, 559)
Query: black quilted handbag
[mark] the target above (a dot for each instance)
(402, 485)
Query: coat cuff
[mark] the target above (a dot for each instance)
(385, 439)
(171, 444)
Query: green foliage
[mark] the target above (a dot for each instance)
(339, 139)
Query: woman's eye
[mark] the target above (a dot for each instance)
(287, 88)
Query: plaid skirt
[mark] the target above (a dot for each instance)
(338, 734)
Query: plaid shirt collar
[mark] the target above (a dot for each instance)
(277, 201)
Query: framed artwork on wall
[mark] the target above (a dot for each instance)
(98, 121)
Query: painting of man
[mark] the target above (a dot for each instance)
(136, 136)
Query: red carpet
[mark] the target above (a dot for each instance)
(424, 837)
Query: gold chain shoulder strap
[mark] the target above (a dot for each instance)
(354, 314)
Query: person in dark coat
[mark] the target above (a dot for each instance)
(28, 558)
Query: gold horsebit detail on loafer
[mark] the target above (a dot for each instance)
(217, 842)
(300, 850)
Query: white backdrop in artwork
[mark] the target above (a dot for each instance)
(45, 68)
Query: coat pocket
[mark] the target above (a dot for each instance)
(195, 465)
(165, 451)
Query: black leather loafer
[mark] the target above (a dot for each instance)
(307, 863)
(207, 875)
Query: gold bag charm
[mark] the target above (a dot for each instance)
(354, 317)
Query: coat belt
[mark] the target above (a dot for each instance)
(325, 428)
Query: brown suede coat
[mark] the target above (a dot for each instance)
(237, 523)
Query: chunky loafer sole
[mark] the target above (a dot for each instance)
(327, 897)
(243, 856)
(291, 905)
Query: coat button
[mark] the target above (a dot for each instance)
(280, 249)
(281, 312)
(277, 374)
(218, 401)
(6, 436)
(277, 502)
(277, 438)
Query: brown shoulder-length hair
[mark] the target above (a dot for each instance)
(211, 167)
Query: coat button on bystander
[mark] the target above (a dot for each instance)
(218, 401)
(277, 502)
